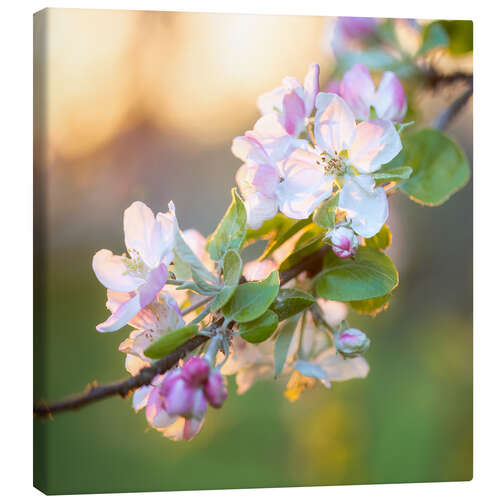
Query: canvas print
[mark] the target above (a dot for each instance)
(253, 251)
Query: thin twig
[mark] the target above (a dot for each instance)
(450, 113)
(122, 388)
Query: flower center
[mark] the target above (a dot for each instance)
(135, 265)
(333, 164)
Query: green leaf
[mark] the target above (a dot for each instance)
(308, 243)
(371, 274)
(371, 306)
(440, 167)
(460, 34)
(260, 329)
(282, 344)
(230, 232)
(170, 342)
(433, 35)
(232, 271)
(185, 260)
(381, 240)
(324, 215)
(202, 286)
(291, 301)
(393, 171)
(284, 236)
(251, 300)
(269, 229)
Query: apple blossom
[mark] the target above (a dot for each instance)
(344, 241)
(292, 102)
(150, 243)
(351, 342)
(157, 318)
(358, 91)
(348, 33)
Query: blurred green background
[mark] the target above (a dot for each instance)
(144, 106)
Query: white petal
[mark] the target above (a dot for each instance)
(271, 134)
(339, 369)
(365, 205)
(247, 147)
(375, 143)
(110, 271)
(138, 226)
(334, 123)
(141, 396)
(311, 87)
(272, 101)
(259, 209)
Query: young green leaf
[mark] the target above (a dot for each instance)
(232, 271)
(460, 34)
(370, 274)
(282, 344)
(230, 232)
(440, 167)
(251, 300)
(269, 229)
(291, 301)
(381, 240)
(324, 215)
(308, 243)
(170, 341)
(185, 260)
(285, 235)
(260, 329)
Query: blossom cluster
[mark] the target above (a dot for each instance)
(311, 145)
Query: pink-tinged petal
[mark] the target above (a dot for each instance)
(294, 113)
(121, 316)
(271, 102)
(311, 88)
(179, 396)
(259, 209)
(375, 143)
(138, 225)
(333, 87)
(192, 426)
(334, 123)
(272, 135)
(215, 389)
(199, 406)
(129, 309)
(244, 177)
(334, 312)
(364, 204)
(156, 281)
(144, 320)
(258, 270)
(265, 180)
(154, 404)
(247, 147)
(356, 27)
(390, 99)
(358, 91)
(111, 271)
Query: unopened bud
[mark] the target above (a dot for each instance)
(351, 342)
(344, 241)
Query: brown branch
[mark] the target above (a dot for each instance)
(435, 79)
(311, 263)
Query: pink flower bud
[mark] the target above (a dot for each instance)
(344, 241)
(351, 342)
(196, 371)
(182, 398)
(215, 389)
